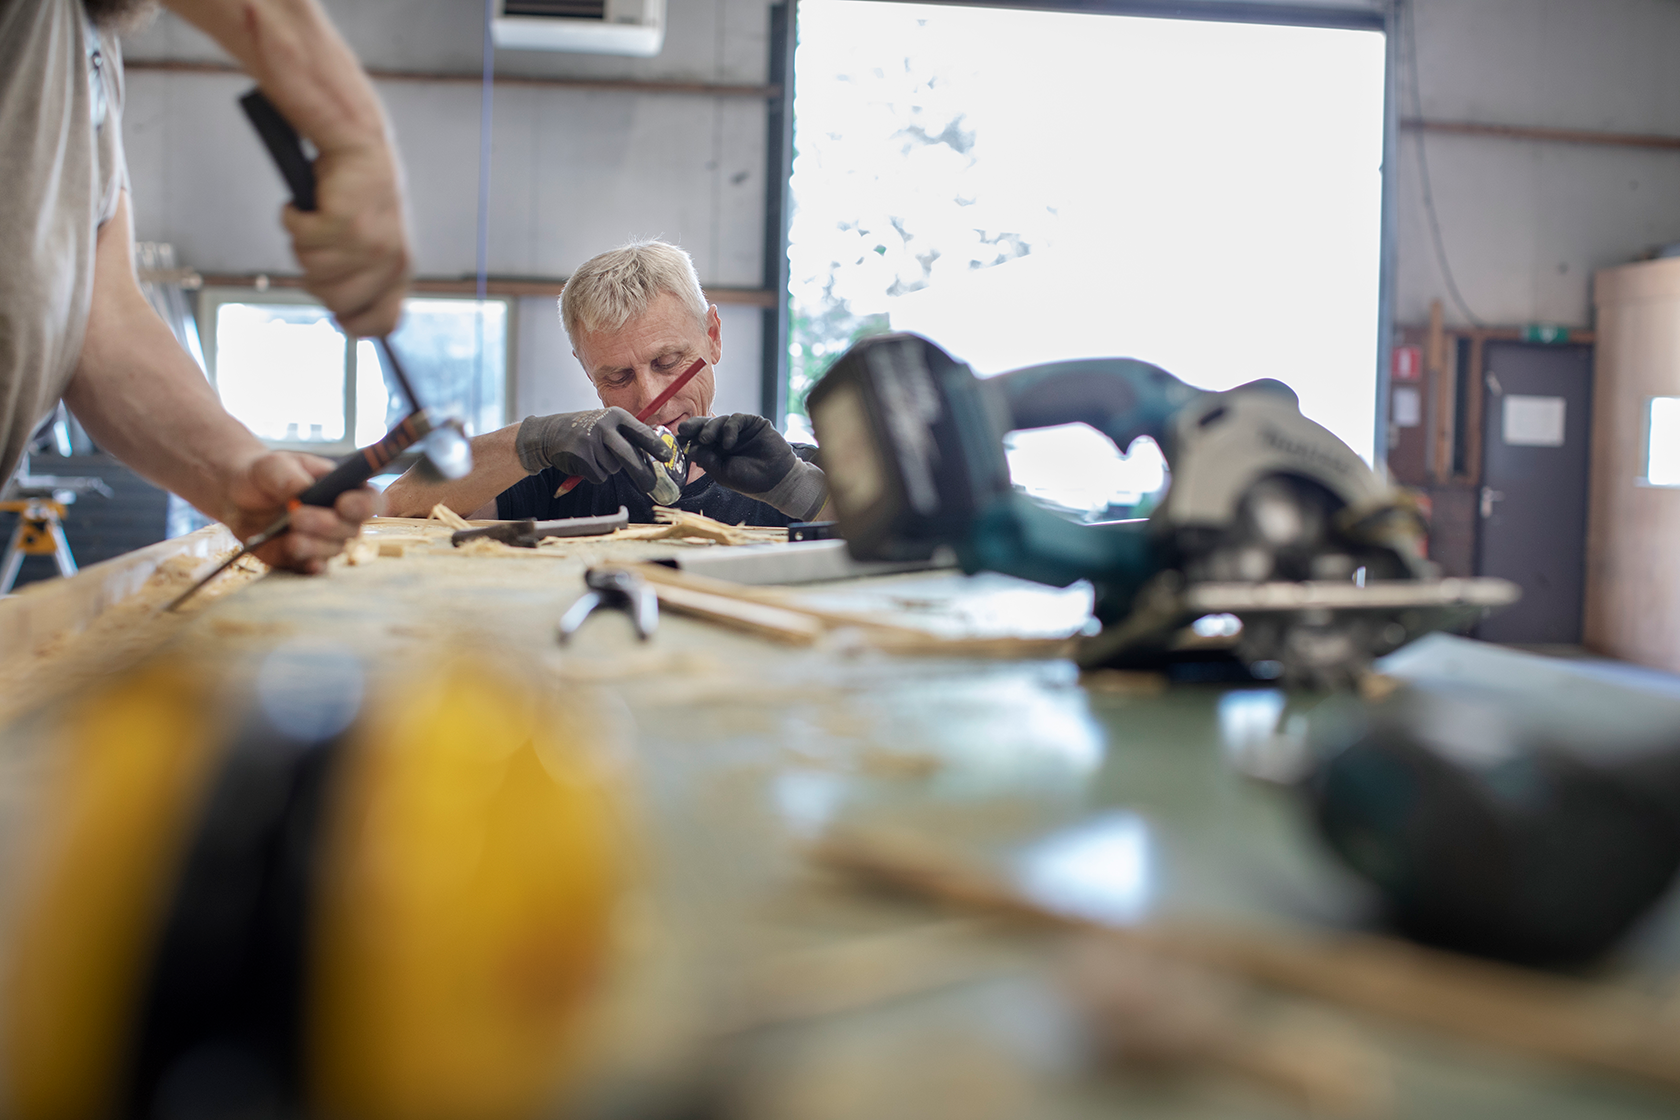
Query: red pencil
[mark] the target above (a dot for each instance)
(652, 407)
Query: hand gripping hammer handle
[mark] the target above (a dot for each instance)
(351, 472)
(355, 469)
(286, 148)
(284, 145)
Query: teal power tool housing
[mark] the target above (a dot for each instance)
(1269, 517)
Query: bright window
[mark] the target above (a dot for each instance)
(283, 368)
(1662, 443)
(280, 370)
(1027, 186)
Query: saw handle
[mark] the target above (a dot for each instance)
(354, 470)
(284, 146)
(1120, 397)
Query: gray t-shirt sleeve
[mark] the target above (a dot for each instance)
(61, 159)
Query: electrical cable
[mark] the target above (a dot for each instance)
(1410, 9)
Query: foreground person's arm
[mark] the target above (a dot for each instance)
(354, 247)
(495, 468)
(144, 400)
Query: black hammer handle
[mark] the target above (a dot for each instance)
(355, 469)
(283, 144)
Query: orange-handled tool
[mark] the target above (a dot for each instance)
(648, 410)
(352, 471)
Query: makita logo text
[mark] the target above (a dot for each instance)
(1280, 442)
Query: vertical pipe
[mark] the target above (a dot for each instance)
(778, 207)
(486, 116)
(1443, 400)
(1386, 268)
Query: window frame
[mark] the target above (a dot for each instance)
(212, 298)
(1383, 16)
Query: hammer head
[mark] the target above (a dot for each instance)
(445, 454)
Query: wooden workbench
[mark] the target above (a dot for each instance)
(764, 985)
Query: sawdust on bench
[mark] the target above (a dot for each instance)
(119, 635)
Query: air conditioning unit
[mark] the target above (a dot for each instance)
(632, 27)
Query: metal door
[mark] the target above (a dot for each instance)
(1533, 524)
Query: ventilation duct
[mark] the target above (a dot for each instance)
(630, 27)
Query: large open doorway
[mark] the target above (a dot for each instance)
(1023, 186)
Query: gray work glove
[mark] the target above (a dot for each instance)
(591, 444)
(747, 454)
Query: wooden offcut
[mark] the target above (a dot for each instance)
(1581, 1024)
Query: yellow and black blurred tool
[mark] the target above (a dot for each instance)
(304, 901)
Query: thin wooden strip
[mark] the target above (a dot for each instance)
(728, 589)
(754, 618)
(881, 633)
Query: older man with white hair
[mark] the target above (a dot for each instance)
(637, 319)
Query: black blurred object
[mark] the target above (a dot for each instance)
(281, 140)
(221, 1031)
(812, 531)
(1490, 827)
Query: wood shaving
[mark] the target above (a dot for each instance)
(677, 524)
(899, 764)
(361, 551)
(687, 524)
(449, 517)
(484, 546)
(642, 533)
(1377, 687)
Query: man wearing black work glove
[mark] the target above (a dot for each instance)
(592, 444)
(745, 453)
(644, 334)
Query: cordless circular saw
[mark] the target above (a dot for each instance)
(1269, 517)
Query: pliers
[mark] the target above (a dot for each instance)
(613, 588)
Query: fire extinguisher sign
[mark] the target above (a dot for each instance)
(1407, 364)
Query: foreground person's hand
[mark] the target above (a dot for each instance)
(354, 247)
(747, 454)
(593, 445)
(259, 493)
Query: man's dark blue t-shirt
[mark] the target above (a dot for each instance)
(533, 496)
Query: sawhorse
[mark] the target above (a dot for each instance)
(39, 532)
